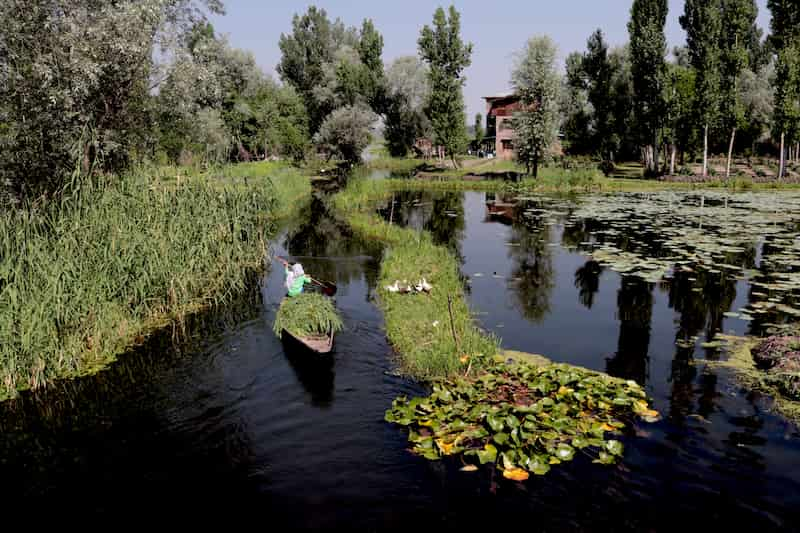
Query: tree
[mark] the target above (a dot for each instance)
(785, 40)
(737, 20)
(537, 83)
(576, 112)
(407, 92)
(305, 52)
(648, 48)
(701, 20)
(346, 132)
(447, 56)
(597, 69)
(622, 117)
(757, 95)
(679, 99)
(75, 79)
(478, 129)
(370, 51)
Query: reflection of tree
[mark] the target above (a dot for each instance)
(327, 247)
(533, 265)
(587, 281)
(440, 213)
(634, 311)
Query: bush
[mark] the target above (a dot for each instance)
(346, 132)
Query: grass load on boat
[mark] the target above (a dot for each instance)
(307, 315)
(523, 418)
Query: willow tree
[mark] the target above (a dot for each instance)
(737, 20)
(701, 20)
(447, 56)
(785, 40)
(648, 48)
(537, 83)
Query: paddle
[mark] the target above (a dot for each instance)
(328, 288)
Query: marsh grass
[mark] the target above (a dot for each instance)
(419, 325)
(85, 278)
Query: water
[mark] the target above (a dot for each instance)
(230, 425)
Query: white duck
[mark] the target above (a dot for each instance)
(425, 286)
(393, 288)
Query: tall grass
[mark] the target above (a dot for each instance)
(83, 279)
(433, 333)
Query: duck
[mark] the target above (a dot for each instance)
(425, 286)
(405, 287)
(393, 288)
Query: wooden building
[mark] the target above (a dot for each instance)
(499, 132)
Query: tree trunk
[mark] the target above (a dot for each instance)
(780, 162)
(730, 154)
(672, 160)
(705, 150)
(536, 168)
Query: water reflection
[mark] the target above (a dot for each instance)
(587, 281)
(634, 312)
(532, 266)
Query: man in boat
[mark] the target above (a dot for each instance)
(296, 279)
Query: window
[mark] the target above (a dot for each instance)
(508, 144)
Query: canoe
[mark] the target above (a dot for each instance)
(320, 344)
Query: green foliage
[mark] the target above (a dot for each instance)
(306, 315)
(447, 56)
(785, 40)
(346, 133)
(407, 91)
(701, 20)
(304, 53)
(521, 417)
(598, 70)
(737, 20)
(537, 83)
(84, 277)
(74, 84)
(648, 70)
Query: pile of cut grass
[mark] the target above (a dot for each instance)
(84, 278)
(306, 315)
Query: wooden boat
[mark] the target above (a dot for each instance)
(320, 344)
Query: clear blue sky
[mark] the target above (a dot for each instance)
(496, 28)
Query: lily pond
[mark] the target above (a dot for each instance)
(229, 419)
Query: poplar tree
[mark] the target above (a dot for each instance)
(597, 69)
(447, 56)
(537, 83)
(785, 40)
(737, 20)
(701, 20)
(648, 48)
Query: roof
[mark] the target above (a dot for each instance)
(500, 96)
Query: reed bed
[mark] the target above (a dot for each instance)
(84, 278)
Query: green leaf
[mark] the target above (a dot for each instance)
(488, 454)
(500, 438)
(495, 422)
(614, 447)
(565, 452)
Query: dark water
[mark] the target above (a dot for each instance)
(230, 425)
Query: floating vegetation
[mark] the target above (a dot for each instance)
(770, 366)
(523, 418)
(306, 315)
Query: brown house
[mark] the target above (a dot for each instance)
(499, 133)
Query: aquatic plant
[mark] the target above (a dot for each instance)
(523, 418)
(85, 278)
(306, 315)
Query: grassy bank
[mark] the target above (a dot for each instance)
(554, 180)
(83, 279)
(432, 332)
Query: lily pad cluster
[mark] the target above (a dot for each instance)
(745, 236)
(523, 419)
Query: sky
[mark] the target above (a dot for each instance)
(497, 29)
